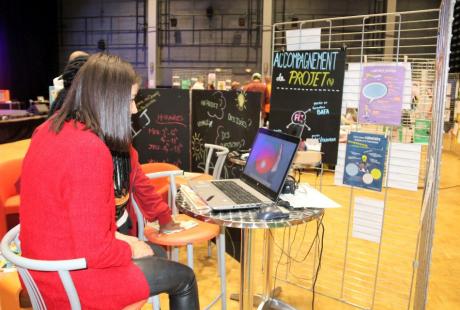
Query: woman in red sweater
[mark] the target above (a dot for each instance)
(67, 195)
(128, 176)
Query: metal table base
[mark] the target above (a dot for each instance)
(247, 221)
(266, 300)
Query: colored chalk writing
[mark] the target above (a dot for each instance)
(307, 96)
(161, 131)
(227, 118)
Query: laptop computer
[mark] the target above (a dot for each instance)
(261, 180)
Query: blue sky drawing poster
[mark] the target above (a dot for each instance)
(365, 160)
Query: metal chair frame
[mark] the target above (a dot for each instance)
(220, 240)
(221, 152)
(23, 265)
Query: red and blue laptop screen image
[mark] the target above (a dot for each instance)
(270, 159)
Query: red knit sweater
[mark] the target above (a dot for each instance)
(67, 211)
(151, 204)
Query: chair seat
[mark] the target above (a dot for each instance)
(12, 205)
(202, 232)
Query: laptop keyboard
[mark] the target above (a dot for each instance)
(235, 192)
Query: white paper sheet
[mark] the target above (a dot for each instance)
(303, 39)
(308, 197)
(368, 219)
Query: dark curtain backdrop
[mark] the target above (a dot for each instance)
(28, 47)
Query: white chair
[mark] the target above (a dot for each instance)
(154, 300)
(171, 174)
(23, 264)
(309, 159)
(221, 152)
(182, 238)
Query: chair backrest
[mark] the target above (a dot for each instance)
(11, 171)
(171, 175)
(23, 264)
(221, 152)
(161, 184)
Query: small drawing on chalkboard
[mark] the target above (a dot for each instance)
(216, 105)
(142, 121)
(299, 120)
(198, 150)
(241, 101)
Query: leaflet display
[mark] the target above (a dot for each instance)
(365, 160)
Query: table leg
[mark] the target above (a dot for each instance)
(268, 262)
(270, 293)
(247, 270)
(247, 260)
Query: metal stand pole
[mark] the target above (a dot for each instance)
(247, 270)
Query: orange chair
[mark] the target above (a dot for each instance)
(10, 172)
(10, 290)
(161, 184)
(202, 232)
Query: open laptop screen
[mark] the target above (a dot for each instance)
(269, 161)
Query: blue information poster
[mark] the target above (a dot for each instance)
(365, 160)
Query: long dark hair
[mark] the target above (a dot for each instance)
(100, 98)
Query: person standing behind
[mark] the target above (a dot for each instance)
(76, 60)
(59, 82)
(268, 82)
(256, 85)
(235, 85)
(67, 198)
(198, 84)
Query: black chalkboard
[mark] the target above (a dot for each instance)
(307, 89)
(161, 128)
(228, 118)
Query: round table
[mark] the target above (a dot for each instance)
(247, 221)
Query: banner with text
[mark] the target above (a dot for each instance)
(161, 128)
(307, 92)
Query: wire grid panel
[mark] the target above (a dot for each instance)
(369, 275)
(430, 199)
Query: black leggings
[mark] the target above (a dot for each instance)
(166, 276)
(176, 279)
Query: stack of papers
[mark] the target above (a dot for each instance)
(183, 224)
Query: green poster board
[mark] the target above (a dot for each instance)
(422, 131)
